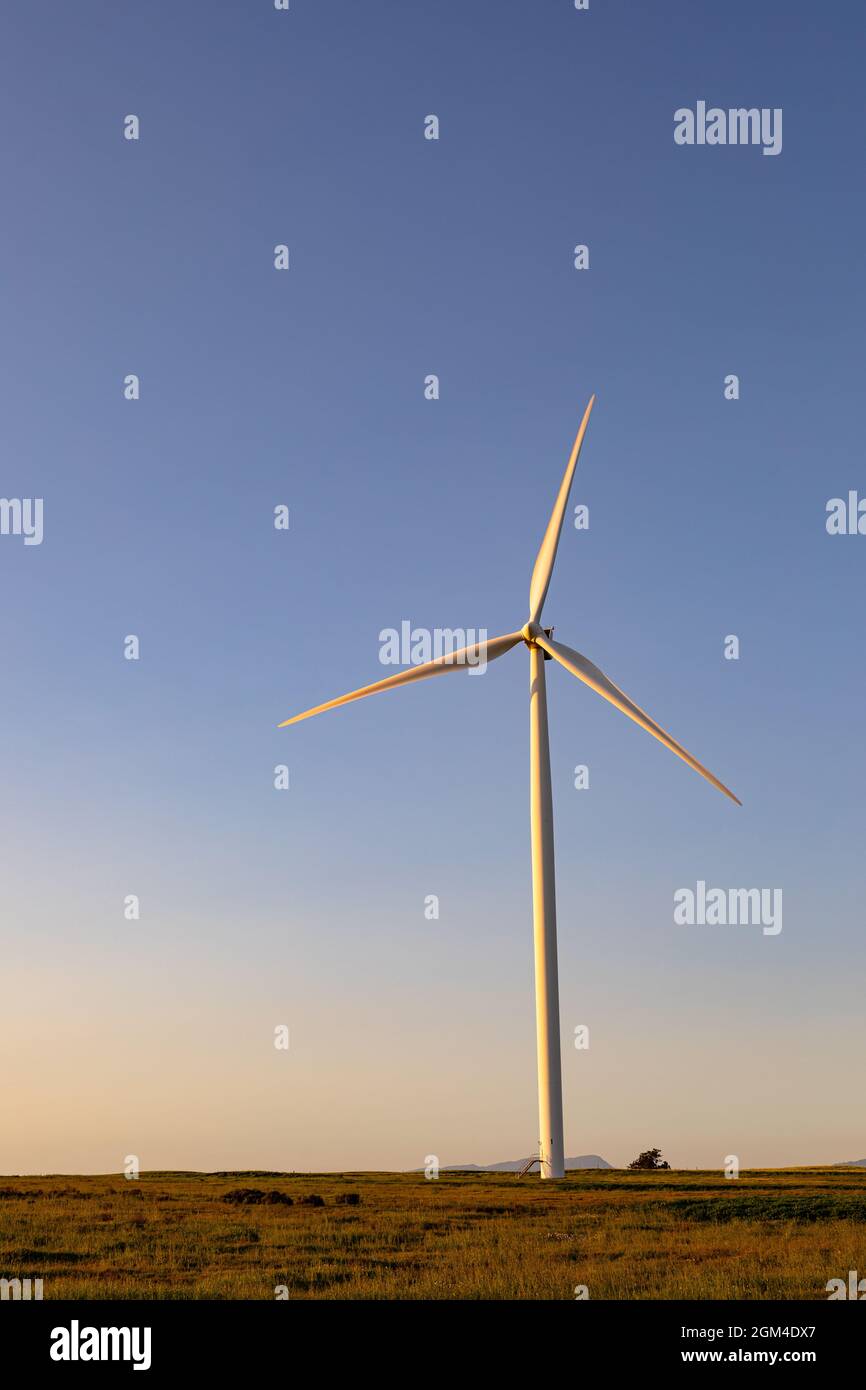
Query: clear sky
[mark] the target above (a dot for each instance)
(305, 387)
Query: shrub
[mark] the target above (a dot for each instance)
(254, 1196)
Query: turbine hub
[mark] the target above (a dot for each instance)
(532, 631)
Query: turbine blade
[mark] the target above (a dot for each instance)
(543, 568)
(460, 660)
(588, 673)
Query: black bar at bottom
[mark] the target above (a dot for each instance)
(227, 1337)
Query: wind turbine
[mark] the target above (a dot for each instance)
(541, 648)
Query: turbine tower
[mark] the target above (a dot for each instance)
(541, 647)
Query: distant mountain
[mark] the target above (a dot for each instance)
(514, 1165)
(852, 1163)
(583, 1161)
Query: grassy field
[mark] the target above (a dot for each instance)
(769, 1234)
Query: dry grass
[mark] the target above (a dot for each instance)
(769, 1234)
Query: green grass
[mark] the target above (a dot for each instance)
(768, 1234)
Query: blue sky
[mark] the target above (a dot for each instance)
(305, 387)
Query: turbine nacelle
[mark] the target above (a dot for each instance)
(531, 633)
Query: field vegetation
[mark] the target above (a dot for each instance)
(622, 1235)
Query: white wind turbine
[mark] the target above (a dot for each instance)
(541, 647)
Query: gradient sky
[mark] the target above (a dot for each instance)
(707, 517)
